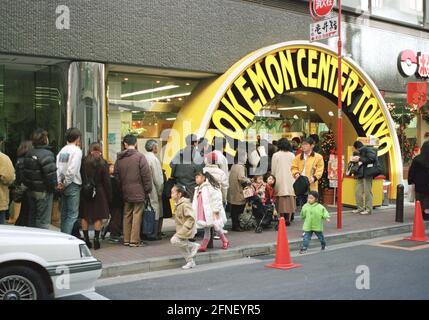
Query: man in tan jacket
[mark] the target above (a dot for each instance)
(7, 177)
(309, 164)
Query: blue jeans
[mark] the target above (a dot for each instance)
(3, 217)
(40, 209)
(70, 207)
(307, 238)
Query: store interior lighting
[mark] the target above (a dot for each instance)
(136, 93)
(167, 97)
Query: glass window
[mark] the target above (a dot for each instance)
(31, 96)
(357, 5)
(409, 11)
(405, 123)
(143, 105)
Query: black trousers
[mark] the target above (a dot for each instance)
(236, 210)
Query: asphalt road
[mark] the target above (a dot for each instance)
(333, 274)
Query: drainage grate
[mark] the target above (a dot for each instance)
(403, 244)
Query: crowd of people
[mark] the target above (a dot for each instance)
(203, 185)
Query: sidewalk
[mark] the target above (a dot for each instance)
(158, 255)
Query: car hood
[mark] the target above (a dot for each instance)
(24, 232)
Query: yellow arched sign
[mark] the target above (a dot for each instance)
(227, 105)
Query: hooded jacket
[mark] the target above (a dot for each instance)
(133, 174)
(313, 216)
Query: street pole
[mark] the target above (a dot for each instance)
(340, 127)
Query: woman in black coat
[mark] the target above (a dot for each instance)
(419, 176)
(23, 218)
(95, 168)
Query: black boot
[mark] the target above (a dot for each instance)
(86, 238)
(287, 219)
(293, 217)
(97, 240)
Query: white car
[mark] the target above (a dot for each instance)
(43, 264)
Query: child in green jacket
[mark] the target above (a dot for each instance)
(313, 213)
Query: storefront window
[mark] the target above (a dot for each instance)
(31, 96)
(357, 5)
(405, 123)
(409, 11)
(143, 105)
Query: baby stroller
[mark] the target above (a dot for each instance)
(263, 214)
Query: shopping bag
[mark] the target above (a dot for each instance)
(148, 221)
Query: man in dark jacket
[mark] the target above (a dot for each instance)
(134, 178)
(40, 176)
(419, 176)
(187, 163)
(368, 169)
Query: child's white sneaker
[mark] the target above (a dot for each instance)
(189, 265)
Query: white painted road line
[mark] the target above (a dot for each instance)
(94, 296)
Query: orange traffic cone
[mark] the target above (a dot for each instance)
(419, 233)
(283, 260)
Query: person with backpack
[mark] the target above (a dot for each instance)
(40, 177)
(96, 193)
(134, 178)
(369, 168)
(69, 160)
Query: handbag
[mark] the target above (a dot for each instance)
(17, 192)
(89, 189)
(248, 192)
(301, 185)
(148, 221)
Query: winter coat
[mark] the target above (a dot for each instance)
(185, 167)
(97, 208)
(185, 219)
(157, 183)
(133, 174)
(40, 169)
(212, 202)
(419, 175)
(270, 195)
(313, 214)
(313, 168)
(368, 157)
(237, 176)
(7, 176)
(220, 177)
(223, 162)
(19, 170)
(281, 169)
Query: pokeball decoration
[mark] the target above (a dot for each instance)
(408, 63)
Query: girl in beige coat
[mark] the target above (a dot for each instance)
(185, 225)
